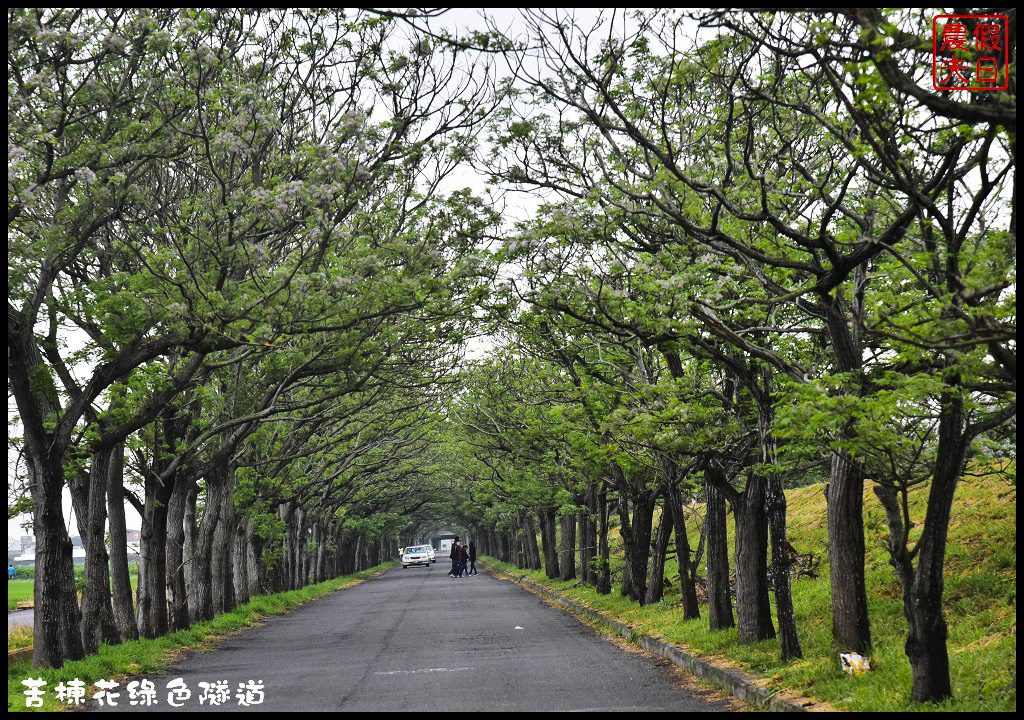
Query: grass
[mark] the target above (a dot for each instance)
(22, 586)
(152, 655)
(18, 591)
(19, 637)
(979, 606)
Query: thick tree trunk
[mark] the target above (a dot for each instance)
(221, 582)
(71, 616)
(56, 624)
(636, 541)
(152, 604)
(719, 600)
(258, 576)
(687, 565)
(201, 604)
(851, 628)
(90, 502)
(567, 563)
(177, 589)
(123, 601)
(530, 536)
(776, 507)
(922, 588)
(753, 607)
(549, 534)
(57, 619)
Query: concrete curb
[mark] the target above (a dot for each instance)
(731, 680)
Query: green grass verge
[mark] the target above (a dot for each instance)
(979, 605)
(21, 587)
(18, 591)
(150, 656)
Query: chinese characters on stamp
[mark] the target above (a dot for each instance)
(969, 52)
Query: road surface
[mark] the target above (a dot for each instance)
(416, 640)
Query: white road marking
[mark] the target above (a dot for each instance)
(423, 670)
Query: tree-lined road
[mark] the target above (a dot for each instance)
(416, 640)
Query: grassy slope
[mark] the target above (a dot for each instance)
(980, 609)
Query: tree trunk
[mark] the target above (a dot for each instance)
(123, 601)
(56, 622)
(222, 584)
(656, 584)
(90, 502)
(152, 605)
(776, 507)
(636, 541)
(719, 600)
(258, 580)
(530, 536)
(588, 537)
(190, 541)
(549, 533)
(177, 588)
(603, 576)
(687, 565)
(201, 604)
(922, 588)
(753, 607)
(567, 564)
(240, 560)
(296, 524)
(851, 628)
(57, 619)
(318, 557)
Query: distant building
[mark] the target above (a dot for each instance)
(443, 543)
(27, 553)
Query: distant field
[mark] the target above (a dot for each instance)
(18, 590)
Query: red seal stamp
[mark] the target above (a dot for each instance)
(969, 52)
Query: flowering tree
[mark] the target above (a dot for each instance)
(201, 190)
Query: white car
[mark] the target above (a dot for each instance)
(417, 555)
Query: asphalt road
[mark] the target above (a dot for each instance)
(417, 640)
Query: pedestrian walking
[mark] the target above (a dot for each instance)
(464, 562)
(472, 559)
(454, 557)
(458, 559)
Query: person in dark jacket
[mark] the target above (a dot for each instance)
(454, 556)
(460, 562)
(472, 559)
